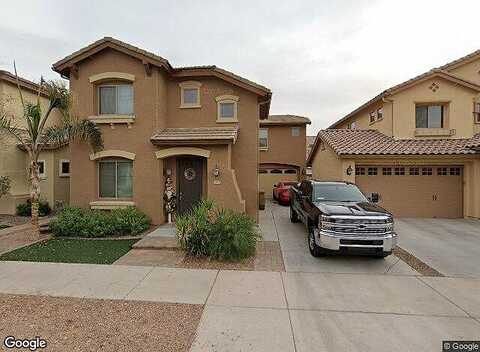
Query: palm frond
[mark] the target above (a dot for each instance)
(79, 130)
(9, 127)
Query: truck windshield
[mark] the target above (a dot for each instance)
(337, 193)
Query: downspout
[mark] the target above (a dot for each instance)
(385, 100)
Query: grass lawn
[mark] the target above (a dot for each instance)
(72, 251)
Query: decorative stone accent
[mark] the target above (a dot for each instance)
(434, 87)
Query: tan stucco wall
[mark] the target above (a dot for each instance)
(362, 118)
(469, 71)
(61, 183)
(283, 148)
(326, 165)
(156, 105)
(458, 115)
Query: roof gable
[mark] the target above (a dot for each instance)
(69, 63)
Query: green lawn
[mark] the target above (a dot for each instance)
(72, 251)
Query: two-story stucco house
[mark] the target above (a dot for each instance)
(193, 129)
(54, 163)
(282, 144)
(417, 144)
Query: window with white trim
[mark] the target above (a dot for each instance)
(476, 112)
(263, 138)
(42, 168)
(190, 94)
(64, 168)
(115, 99)
(379, 113)
(372, 116)
(227, 106)
(115, 178)
(295, 131)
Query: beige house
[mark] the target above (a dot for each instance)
(282, 143)
(417, 144)
(54, 163)
(187, 131)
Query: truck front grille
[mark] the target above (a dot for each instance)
(358, 226)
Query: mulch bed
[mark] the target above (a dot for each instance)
(73, 324)
(204, 263)
(415, 263)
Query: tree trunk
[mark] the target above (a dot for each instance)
(34, 198)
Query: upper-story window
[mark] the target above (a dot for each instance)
(476, 112)
(372, 117)
(379, 113)
(190, 94)
(227, 108)
(429, 116)
(115, 99)
(352, 125)
(263, 138)
(295, 131)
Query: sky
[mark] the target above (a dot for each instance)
(321, 59)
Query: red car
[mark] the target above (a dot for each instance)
(281, 192)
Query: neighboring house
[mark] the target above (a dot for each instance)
(54, 163)
(416, 144)
(194, 126)
(310, 143)
(282, 143)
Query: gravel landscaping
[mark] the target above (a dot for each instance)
(13, 220)
(67, 324)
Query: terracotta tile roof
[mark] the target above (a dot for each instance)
(200, 135)
(24, 83)
(373, 142)
(286, 120)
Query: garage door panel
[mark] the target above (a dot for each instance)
(416, 196)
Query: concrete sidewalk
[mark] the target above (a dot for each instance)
(272, 311)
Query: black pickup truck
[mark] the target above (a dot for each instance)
(340, 219)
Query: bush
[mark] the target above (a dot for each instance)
(74, 221)
(217, 233)
(25, 209)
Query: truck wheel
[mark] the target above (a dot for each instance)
(293, 215)
(315, 250)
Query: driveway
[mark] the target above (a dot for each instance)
(275, 225)
(450, 246)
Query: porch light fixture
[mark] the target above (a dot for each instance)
(349, 170)
(216, 171)
(168, 172)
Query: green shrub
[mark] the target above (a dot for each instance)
(129, 221)
(233, 236)
(216, 233)
(74, 221)
(25, 209)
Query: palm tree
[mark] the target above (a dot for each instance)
(36, 136)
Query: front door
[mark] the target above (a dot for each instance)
(189, 182)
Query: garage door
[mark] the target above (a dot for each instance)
(415, 191)
(268, 177)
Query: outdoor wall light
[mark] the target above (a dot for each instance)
(349, 170)
(168, 172)
(216, 171)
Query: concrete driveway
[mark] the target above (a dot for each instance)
(450, 246)
(275, 225)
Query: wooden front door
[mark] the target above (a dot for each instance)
(189, 182)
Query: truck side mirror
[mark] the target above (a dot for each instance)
(374, 198)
